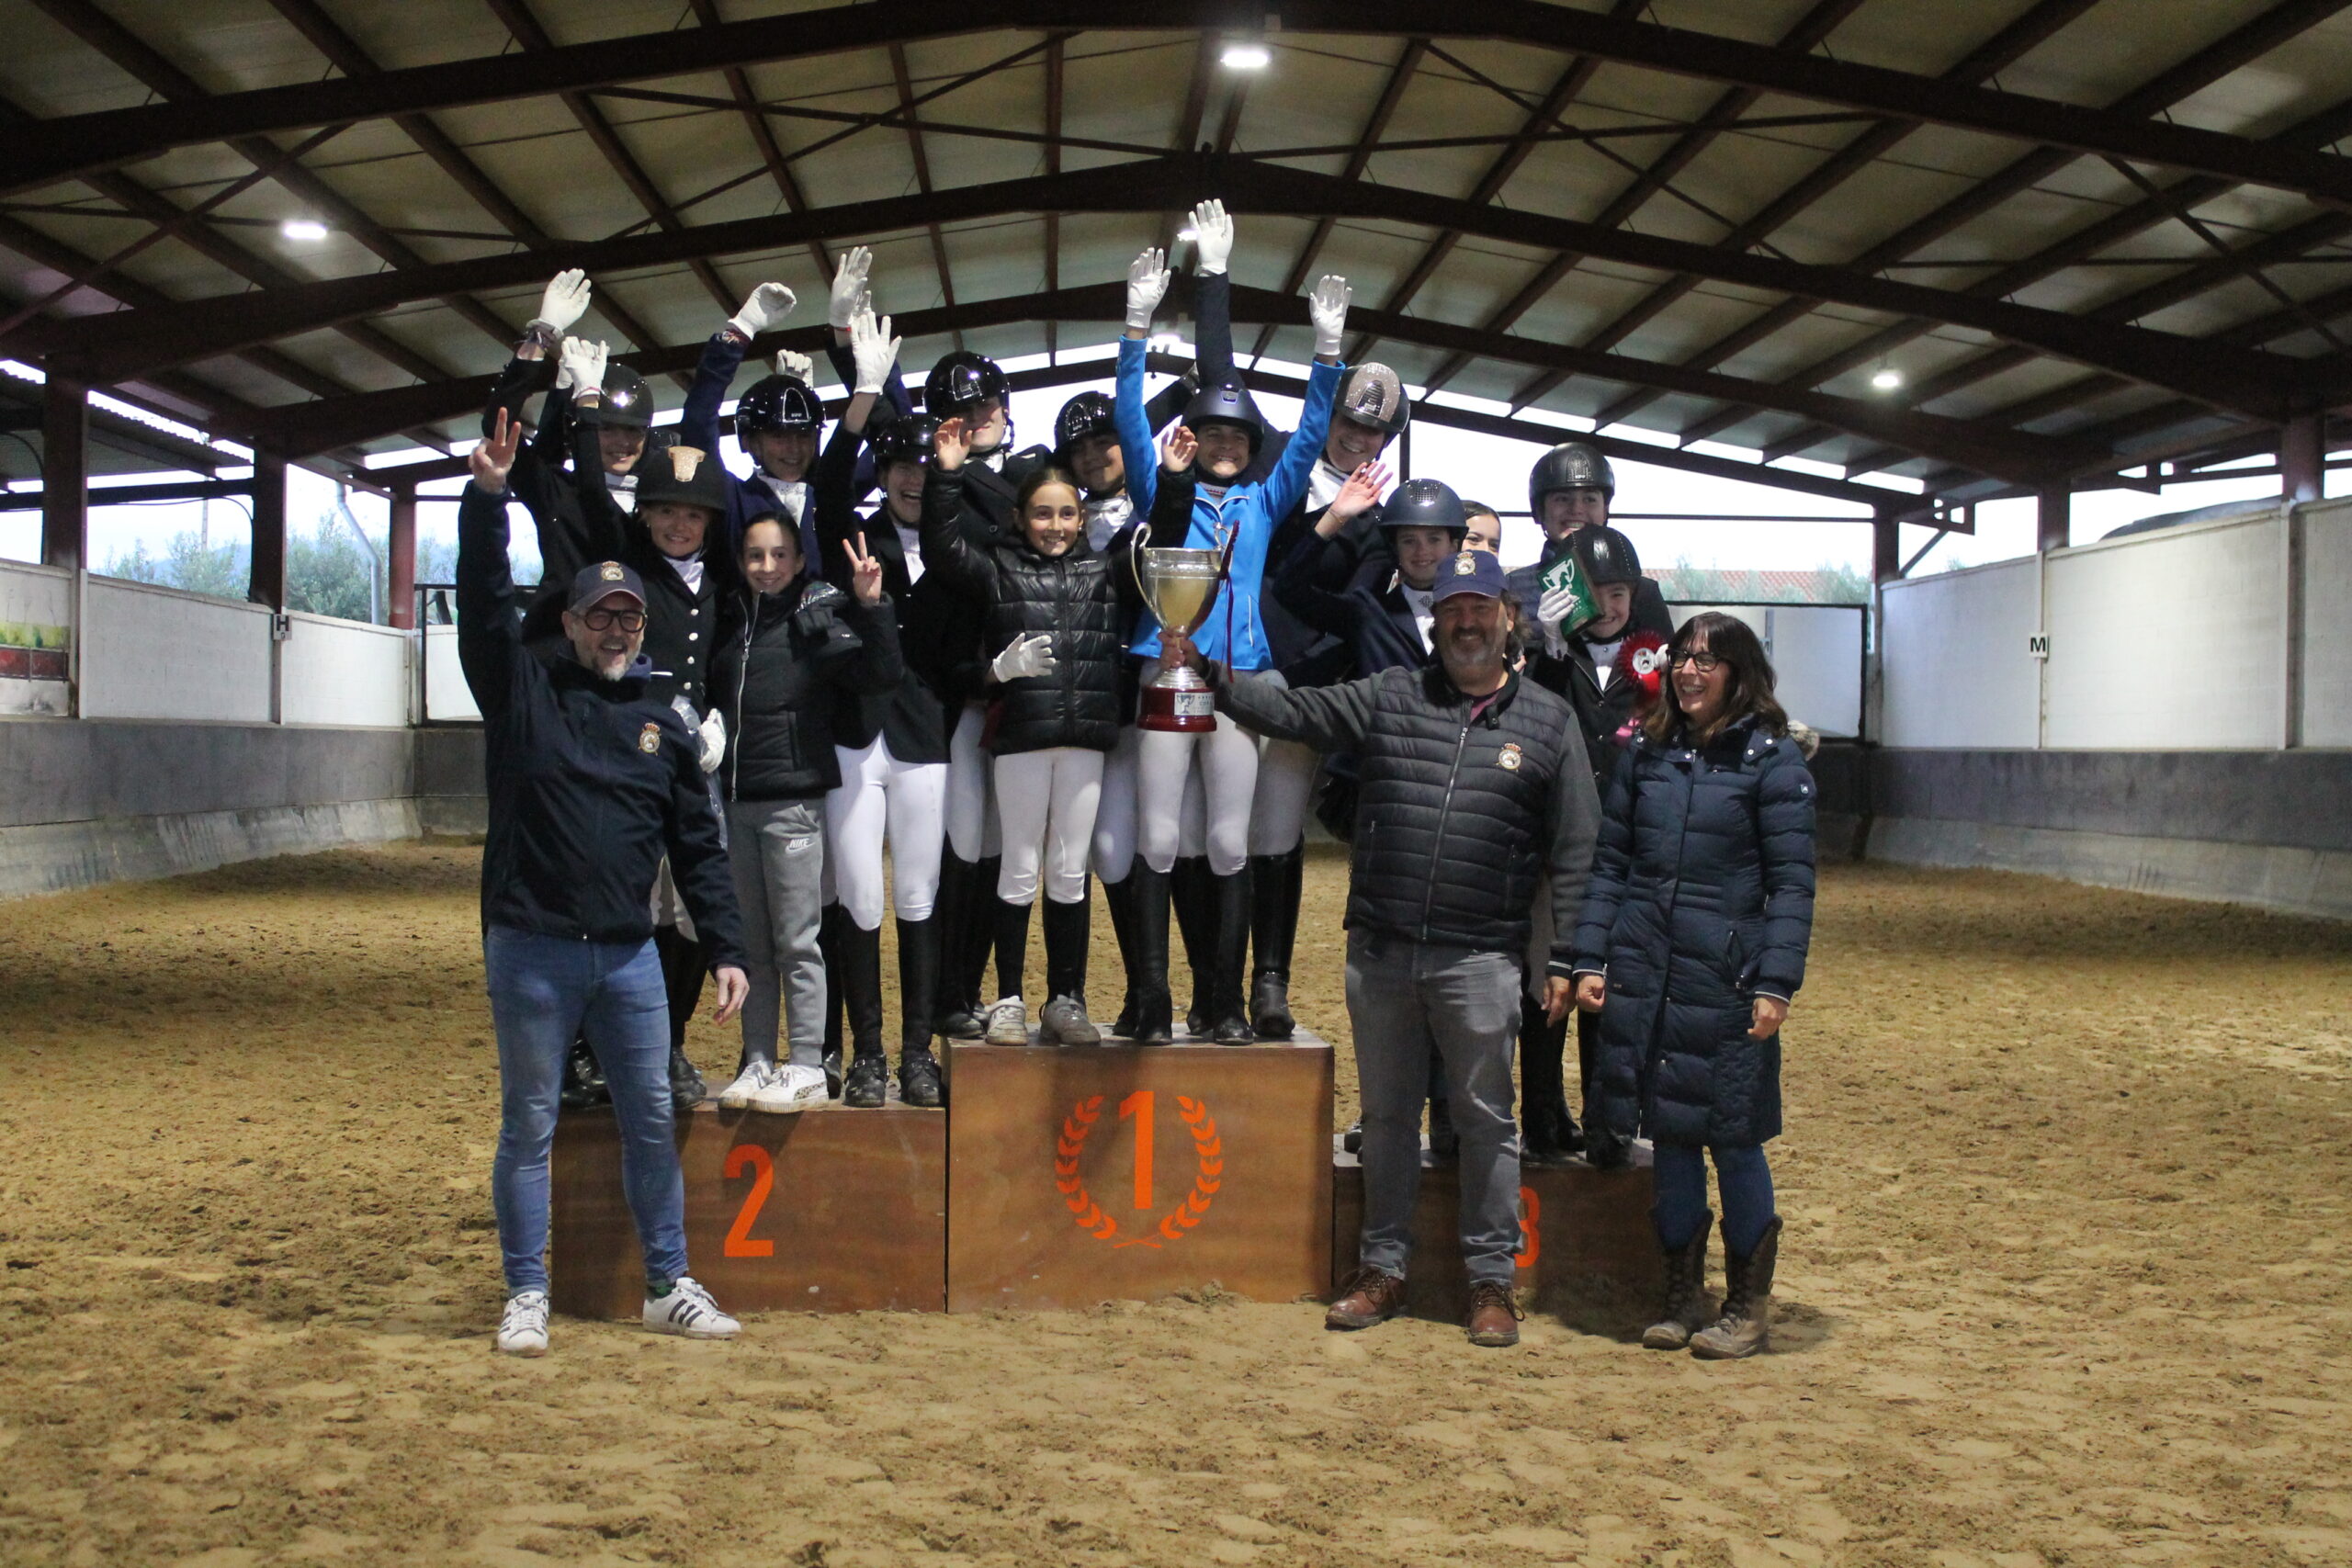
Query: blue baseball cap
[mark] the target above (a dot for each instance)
(601, 580)
(1471, 572)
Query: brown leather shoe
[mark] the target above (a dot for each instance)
(1370, 1296)
(1494, 1316)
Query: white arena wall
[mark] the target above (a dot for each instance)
(2169, 711)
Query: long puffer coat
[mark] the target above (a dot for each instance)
(1700, 898)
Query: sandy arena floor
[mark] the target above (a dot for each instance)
(2064, 1283)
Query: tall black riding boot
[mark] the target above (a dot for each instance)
(962, 947)
(1008, 1019)
(1147, 967)
(1230, 950)
(1119, 897)
(918, 981)
(829, 945)
(1275, 883)
(1544, 1119)
(683, 971)
(867, 1084)
(1189, 892)
(1063, 1020)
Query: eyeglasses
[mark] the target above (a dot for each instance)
(605, 620)
(1704, 663)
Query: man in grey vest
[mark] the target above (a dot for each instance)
(1474, 785)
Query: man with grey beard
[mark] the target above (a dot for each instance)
(592, 782)
(1473, 784)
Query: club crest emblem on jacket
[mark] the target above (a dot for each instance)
(1510, 757)
(649, 740)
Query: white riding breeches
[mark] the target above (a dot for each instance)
(1286, 773)
(1227, 757)
(1046, 802)
(971, 805)
(882, 798)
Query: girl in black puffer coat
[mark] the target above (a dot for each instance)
(1691, 946)
(1058, 615)
(803, 646)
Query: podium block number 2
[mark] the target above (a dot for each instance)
(739, 1241)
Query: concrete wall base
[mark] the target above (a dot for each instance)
(56, 857)
(2290, 880)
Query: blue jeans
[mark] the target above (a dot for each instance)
(543, 991)
(1680, 1194)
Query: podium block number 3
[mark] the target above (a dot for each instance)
(739, 1241)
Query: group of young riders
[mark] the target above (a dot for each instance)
(904, 637)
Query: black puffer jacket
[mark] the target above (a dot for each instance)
(782, 677)
(1464, 802)
(1086, 599)
(1700, 898)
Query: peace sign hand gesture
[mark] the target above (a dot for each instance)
(492, 459)
(864, 573)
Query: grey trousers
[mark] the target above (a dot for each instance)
(776, 849)
(1406, 1002)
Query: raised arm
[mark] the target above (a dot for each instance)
(1330, 718)
(490, 629)
(946, 543)
(1286, 486)
(876, 664)
(1212, 291)
(1146, 285)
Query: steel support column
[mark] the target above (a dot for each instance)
(1886, 547)
(401, 569)
(2053, 519)
(2303, 457)
(268, 584)
(64, 474)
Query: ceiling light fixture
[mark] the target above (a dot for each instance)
(1888, 380)
(302, 229)
(1246, 57)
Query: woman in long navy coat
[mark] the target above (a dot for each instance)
(1691, 946)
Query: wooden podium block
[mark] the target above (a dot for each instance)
(827, 1210)
(1586, 1238)
(1084, 1174)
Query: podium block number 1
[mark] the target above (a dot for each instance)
(1139, 1106)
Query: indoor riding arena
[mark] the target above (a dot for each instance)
(1978, 364)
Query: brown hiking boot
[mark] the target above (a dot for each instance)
(1370, 1296)
(1747, 1323)
(1494, 1316)
(1685, 1312)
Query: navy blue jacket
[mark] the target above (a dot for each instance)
(592, 782)
(1700, 898)
(1369, 614)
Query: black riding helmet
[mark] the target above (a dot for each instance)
(778, 402)
(1607, 557)
(629, 401)
(961, 380)
(1226, 401)
(904, 440)
(1425, 503)
(1085, 416)
(1572, 464)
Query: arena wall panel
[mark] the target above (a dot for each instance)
(1956, 666)
(157, 653)
(1816, 653)
(2327, 652)
(345, 673)
(2172, 640)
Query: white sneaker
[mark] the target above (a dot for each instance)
(790, 1088)
(1008, 1022)
(688, 1310)
(524, 1330)
(755, 1076)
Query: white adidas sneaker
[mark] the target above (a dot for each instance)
(524, 1330)
(1008, 1022)
(755, 1076)
(791, 1088)
(688, 1310)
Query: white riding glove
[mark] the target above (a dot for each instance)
(1328, 309)
(762, 308)
(1550, 611)
(713, 731)
(1146, 286)
(1212, 236)
(1025, 656)
(848, 287)
(798, 366)
(873, 350)
(584, 361)
(564, 302)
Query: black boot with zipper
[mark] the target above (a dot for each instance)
(919, 1083)
(868, 1083)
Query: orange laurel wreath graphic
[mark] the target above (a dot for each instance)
(1208, 1146)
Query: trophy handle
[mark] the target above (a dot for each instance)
(1135, 570)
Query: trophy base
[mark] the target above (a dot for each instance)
(1174, 710)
